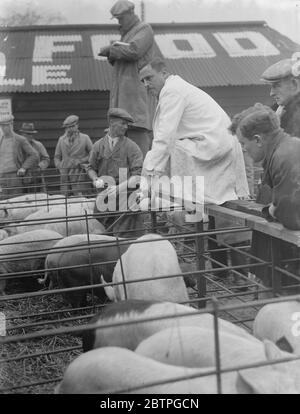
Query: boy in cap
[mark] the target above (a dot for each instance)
(71, 154)
(127, 57)
(258, 128)
(16, 157)
(109, 154)
(37, 178)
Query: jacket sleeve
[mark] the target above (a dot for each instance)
(44, 157)
(88, 148)
(171, 108)
(32, 157)
(58, 155)
(135, 159)
(286, 192)
(92, 161)
(138, 46)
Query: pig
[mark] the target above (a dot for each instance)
(57, 220)
(12, 249)
(114, 369)
(146, 260)
(131, 335)
(81, 276)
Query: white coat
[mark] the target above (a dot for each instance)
(191, 134)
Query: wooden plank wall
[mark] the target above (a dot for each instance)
(48, 110)
(234, 99)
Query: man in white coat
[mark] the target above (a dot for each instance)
(191, 133)
(191, 138)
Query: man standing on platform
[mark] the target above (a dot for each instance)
(127, 57)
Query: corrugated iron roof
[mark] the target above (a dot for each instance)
(65, 58)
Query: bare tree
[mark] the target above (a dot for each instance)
(30, 15)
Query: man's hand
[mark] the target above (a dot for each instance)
(21, 172)
(272, 210)
(104, 51)
(98, 183)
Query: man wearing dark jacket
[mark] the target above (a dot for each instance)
(128, 56)
(16, 157)
(284, 79)
(258, 129)
(115, 160)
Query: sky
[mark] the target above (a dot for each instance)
(282, 15)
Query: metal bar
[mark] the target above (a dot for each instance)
(201, 280)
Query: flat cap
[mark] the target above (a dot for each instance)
(121, 7)
(6, 119)
(70, 121)
(119, 113)
(283, 69)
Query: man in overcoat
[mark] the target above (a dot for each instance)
(71, 155)
(127, 57)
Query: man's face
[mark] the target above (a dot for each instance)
(28, 136)
(117, 127)
(7, 128)
(154, 81)
(254, 147)
(72, 129)
(124, 19)
(283, 90)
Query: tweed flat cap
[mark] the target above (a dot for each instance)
(70, 121)
(282, 69)
(121, 7)
(6, 119)
(119, 113)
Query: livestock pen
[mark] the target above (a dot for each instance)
(44, 328)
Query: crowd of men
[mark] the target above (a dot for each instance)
(191, 135)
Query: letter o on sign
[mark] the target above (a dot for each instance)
(196, 45)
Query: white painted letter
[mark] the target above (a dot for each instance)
(184, 45)
(45, 46)
(238, 44)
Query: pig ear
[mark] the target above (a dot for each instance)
(109, 290)
(272, 351)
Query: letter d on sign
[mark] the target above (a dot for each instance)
(2, 324)
(296, 327)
